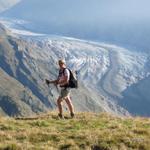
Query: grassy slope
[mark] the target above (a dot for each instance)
(86, 131)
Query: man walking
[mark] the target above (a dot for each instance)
(62, 81)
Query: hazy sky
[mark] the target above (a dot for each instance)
(84, 10)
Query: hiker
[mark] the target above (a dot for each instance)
(62, 81)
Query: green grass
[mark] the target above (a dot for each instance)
(88, 131)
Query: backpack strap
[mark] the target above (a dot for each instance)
(69, 77)
(68, 70)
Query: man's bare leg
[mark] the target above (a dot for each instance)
(70, 105)
(59, 104)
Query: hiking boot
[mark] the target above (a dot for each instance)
(60, 116)
(72, 115)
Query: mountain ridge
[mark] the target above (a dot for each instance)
(35, 58)
(24, 61)
(91, 25)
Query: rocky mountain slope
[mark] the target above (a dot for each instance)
(103, 69)
(136, 97)
(16, 99)
(28, 61)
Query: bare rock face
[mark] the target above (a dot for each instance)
(105, 74)
(25, 64)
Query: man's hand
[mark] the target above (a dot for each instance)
(47, 81)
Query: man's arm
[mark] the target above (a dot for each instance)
(60, 82)
(64, 81)
(51, 82)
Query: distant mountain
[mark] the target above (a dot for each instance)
(136, 98)
(120, 23)
(111, 77)
(6, 4)
(26, 62)
(103, 69)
